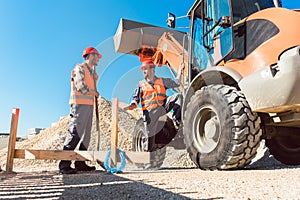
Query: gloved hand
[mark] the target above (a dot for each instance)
(130, 107)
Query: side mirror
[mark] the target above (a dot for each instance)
(171, 20)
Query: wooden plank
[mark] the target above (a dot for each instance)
(114, 132)
(131, 157)
(56, 154)
(137, 157)
(12, 139)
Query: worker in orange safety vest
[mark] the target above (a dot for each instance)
(151, 92)
(83, 92)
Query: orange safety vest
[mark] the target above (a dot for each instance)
(77, 97)
(153, 96)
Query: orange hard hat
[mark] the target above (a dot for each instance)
(89, 50)
(146, 64)
(145, 53)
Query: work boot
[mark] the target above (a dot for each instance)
(81, 166)
(64, 167)
(68, 170)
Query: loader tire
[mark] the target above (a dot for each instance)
(156, 157)
(285, 148)
(220, 130)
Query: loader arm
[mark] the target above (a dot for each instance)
(172, 53)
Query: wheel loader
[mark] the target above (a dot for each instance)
(240, 85)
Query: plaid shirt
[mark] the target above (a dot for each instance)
(78, 78)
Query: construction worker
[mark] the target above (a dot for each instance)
(151, 92)
(83, 92)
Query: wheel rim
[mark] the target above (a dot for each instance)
(139, 142)
(206, 129)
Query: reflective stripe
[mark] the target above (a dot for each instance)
(150, 107)
(153, 103)
(81, 97)
(153, 95)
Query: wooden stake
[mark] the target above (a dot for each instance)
(114, 133)
(12, 139)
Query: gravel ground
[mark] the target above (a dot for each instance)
(167, 183)
(265, 178)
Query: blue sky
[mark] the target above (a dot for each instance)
(42, 40)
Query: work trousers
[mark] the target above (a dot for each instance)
(79, 130)
(151, 118)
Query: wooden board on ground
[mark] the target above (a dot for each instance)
(131, 157)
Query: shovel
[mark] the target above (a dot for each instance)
(98, 131)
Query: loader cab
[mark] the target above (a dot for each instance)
(213, 32)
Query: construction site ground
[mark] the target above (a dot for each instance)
(178, 178)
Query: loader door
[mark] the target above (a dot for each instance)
(211, 31)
